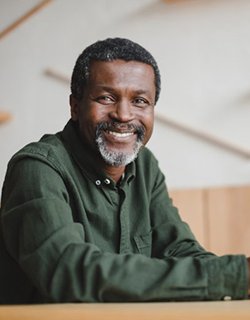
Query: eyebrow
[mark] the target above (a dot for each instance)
(111, 89)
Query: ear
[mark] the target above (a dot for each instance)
(74, 108)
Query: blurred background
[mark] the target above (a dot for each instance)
(202, 130)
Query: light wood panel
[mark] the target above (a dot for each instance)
(229, 220)
(191, 205)
(219, 217)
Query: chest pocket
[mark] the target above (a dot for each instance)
(144, 243)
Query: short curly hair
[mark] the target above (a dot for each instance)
(109, 50)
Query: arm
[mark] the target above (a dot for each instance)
(50, 248)
(172, 237)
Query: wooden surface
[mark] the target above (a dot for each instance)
(147, 311)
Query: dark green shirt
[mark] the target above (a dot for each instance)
(69, 233)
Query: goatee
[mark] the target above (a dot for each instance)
(118, 158)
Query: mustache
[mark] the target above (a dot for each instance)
(114, 125)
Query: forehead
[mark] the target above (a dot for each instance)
(121, 72)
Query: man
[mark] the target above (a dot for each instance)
(85, 213)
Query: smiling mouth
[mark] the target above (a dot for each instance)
(117, 132)
(120, 134)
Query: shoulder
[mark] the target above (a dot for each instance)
(147, 167)
(147, 160)
(49, 149)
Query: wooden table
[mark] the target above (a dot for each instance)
(224, 310)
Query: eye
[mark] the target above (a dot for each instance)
(141, 102)
(105, 99)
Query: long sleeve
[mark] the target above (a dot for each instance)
(172, 237)
(52, 251)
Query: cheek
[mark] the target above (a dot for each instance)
(149, 125)
(97, 113)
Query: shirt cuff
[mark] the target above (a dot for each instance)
(227, 277)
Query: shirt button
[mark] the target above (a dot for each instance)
(98, 182)
(107, 181)
(227, 298)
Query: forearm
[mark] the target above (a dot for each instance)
(81, 272)
(65, 268)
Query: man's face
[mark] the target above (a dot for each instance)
(116, 113)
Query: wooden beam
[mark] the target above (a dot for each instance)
(23, 18)
(57, 76)
(4, 116)
(223, 144)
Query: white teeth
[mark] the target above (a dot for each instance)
(121, 134)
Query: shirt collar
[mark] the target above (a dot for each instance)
(83, 156)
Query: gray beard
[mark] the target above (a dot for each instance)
(117, 158)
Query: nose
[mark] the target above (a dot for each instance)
(122, 111)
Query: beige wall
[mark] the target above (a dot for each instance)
(202, 49)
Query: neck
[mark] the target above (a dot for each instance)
(114, 172)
